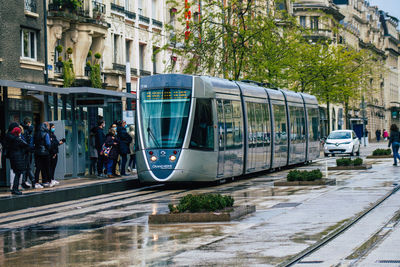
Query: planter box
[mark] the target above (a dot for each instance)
(186, 217)
(342, 168)
(296, 183)
(380, 157)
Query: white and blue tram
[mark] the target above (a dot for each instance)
(200, 128)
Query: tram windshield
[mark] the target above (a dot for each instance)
(164, 116)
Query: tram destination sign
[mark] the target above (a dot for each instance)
(166, 94)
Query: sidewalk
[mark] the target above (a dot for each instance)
(68, 189)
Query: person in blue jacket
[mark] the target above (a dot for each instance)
(42, 155)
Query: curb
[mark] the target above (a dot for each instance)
(344, 168)
(37, 199)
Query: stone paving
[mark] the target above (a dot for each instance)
(287, 220)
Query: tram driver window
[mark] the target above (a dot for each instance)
(203, 130)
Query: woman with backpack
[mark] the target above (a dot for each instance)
(110, 151)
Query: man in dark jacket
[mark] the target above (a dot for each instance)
(27, 136)
(15, 151)
(42, 155)
(100, 138)
(54, 144)
(124, 140)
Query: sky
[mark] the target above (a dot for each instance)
(391, 6)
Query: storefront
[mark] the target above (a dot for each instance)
(74, 111)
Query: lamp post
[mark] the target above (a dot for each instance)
(364, 120)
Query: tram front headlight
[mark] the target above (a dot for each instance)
(172, 158)
(153, 158)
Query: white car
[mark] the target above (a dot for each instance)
(342, 142)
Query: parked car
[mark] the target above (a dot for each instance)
(342, 142)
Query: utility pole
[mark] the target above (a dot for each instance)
(46, 67)
(364, 120)
(128, 85)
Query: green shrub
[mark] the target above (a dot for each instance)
(296, 175)
(68, 73)
(343, 162)
(357, 162)
(381, 152)
(95, 76)
(59, 48)
(203, 202)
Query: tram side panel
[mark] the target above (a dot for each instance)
(313, 132)
(297, 133)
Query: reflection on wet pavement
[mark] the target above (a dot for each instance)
(288, 219)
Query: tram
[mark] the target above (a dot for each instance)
(200, 128)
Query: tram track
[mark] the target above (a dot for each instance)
(336, 233)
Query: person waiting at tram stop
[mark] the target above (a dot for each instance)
(27, 135)
(112, 144)
(53, 153)
(16, 149)
(100, 139)
(394, 140)
(93, 154)
(132, 158)
(124, 141)
(42, 155)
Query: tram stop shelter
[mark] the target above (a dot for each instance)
(74, 111)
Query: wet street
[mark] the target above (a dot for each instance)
(113, 230)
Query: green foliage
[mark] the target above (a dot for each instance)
(203, 202)
(88, 64)
(381, 152)
(69, 50)
(358, 162)
(59, 59)
(95, 76)
(296, 175)
(349, 162)
(68, 73)
(89, 54)
(59, 48)
(97, 55)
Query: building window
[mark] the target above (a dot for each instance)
(155, 56)
(314, 23)
(116, 49)
(30, 5)
(303, 21)
(154, 9)
(142, 49)
(128, 50)
(127, 7)
(140, 7)
(28, 44)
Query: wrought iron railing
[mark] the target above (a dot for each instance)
(117, 8)
(144, 19)
(157, 23)
(129, 14)
(30, 5)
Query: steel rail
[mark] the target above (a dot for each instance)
(308, 251)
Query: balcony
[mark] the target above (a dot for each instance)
(157, 23)
(145, 73)
(117, 8)
(130, 15)
(62, 10)
(30, 5)
(122, 67)
(144, 19)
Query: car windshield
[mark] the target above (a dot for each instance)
(339, 135)
(164, 114)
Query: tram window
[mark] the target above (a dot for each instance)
(280, 124)
(203, 131)
(237, 124)
(228, 124)
(313, 122)
(267, 132)
(250, 118)
(260, 123)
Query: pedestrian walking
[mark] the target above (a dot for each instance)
(132, 158)
(378, 135)
(124, 141)
(111, 151)
(53, 151)
(100, 139)
(116, 161)
(93, 154)
(385, 134)
(27, 135)
(42, 155)
(394, 140)
(16, 147)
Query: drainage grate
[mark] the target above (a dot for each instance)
(285, 205)
(310, 262)
(388, 261)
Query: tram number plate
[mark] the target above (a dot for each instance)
(162, 167)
